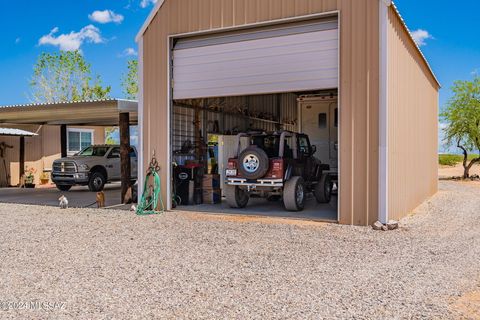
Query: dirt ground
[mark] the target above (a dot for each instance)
(111, 264)
(456, 171)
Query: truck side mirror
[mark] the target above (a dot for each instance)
(313, 149)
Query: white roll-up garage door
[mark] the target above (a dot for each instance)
(289, 58)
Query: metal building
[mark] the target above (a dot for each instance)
(362, 49)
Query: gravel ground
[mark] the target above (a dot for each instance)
(115, 265)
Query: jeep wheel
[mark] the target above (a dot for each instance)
(323, 189)
(97, 182)
(253, 163)
(236, 197)
(63, 187)
(294, 194)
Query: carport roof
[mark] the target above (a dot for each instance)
(103, 112)
(16, 132)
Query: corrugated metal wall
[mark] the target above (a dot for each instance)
(413, 123)
(229, 116)
(359, 72)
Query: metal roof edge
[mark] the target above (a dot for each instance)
(150, 17)
(125, 105)
(16, 132)
(415, 43)
(68, 102)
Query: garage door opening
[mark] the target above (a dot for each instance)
(205, 135)
(264, 97)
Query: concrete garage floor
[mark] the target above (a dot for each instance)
(262, 207)
(78, 196)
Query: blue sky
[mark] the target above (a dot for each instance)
(24, 23)
(450, 38)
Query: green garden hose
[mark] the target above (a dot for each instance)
(151, 192)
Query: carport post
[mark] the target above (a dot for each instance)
(124, 125)
(63, 140)
(22, 158)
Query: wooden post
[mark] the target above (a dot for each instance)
(63, 140)
(124, 125)
(22, 158)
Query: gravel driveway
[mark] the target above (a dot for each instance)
(102, 264)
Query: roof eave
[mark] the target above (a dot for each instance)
(150, 17)
(415, 43)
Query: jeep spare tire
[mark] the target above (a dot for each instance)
(253, 163)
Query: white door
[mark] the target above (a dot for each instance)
(286, 58)
(320, 121)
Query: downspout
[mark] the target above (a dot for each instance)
(383, 113)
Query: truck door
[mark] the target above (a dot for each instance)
(113, 164)
(133, 163)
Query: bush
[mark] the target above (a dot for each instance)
(453, 159)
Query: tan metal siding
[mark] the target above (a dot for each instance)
(40, 151)
(359, 67)
(413, 123)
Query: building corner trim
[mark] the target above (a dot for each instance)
(383, 113)
(140, 166)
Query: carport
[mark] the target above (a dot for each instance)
(106, 112)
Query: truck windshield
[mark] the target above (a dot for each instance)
(94, 151)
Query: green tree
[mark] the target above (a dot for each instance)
(462, 116)
(65, 76)
(130, 80)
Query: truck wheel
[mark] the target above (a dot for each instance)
(253, 163)
(323, 190)
(294, 194)
(236, 197)
(63, 187)
(97, 182)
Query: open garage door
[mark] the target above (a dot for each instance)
(285, 58)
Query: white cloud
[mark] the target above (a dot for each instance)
(129, 52)
(146, 3)
(105, 16)
(73, 40)
(420, 36)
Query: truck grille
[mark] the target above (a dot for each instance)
(64, 166)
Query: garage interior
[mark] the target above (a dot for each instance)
(266, 79)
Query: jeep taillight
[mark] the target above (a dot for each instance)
(232, 164)
(277, 168)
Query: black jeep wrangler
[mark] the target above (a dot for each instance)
(276, 165)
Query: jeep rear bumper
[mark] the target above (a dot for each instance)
(255, 183)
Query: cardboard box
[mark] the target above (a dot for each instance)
(212, 196)
(211, 181)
